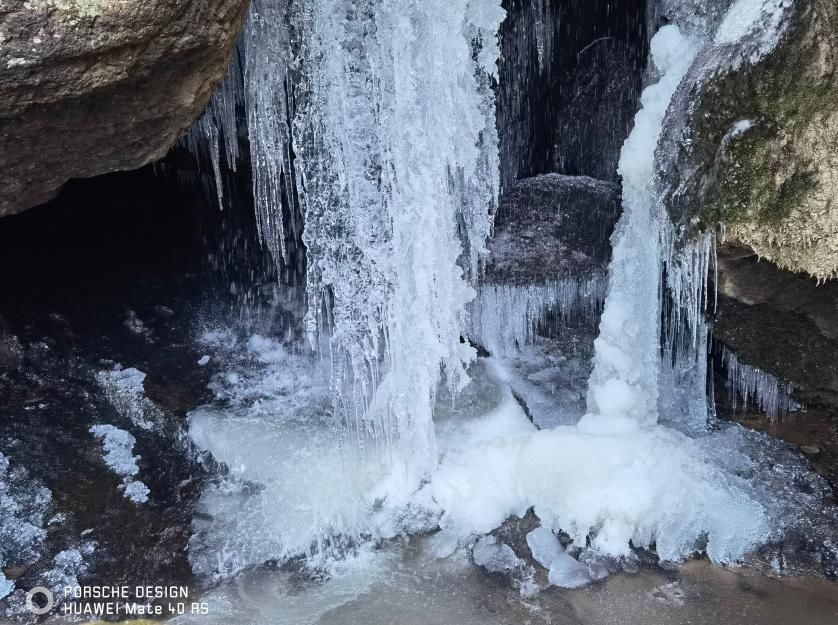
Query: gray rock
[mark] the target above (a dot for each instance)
(93, 86)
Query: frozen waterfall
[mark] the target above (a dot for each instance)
(398, 169)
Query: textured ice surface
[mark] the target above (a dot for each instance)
(119, 456)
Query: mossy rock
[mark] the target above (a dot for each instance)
(758, 149)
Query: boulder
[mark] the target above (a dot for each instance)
(93, 86)
(551, 227)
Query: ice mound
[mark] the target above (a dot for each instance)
(617, 485)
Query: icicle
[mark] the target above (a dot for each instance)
(215, 135)
(755, 387)
(505, 317)
(268, 56)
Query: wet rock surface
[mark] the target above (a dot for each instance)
(93, 86)
(97, 328)
(551, 227)
(783, 323)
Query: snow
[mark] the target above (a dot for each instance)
(119, 456)
(124, 389)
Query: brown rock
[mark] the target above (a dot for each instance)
(92, 86)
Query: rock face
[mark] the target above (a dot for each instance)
(92, 86)
(553, 226)
(760, 153)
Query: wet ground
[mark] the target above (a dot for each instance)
(405, 587)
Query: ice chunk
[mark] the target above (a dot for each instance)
(544, 545)
(136, 492)
(119, 449)
(203, 360)
(495, 557)
(565, 572)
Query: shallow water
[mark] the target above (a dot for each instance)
(405, 585)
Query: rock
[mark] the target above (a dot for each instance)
(783, 323)
(810, 450)
(93, 86)
(758, 147)
(550, 227)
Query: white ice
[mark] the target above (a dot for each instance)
(119, 456)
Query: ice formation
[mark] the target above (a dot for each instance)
(383, 195)
(753, 386)
(272, 427)
(617, 477)
(761, 19)
(396, 169)
(119, 456)
(396, 154)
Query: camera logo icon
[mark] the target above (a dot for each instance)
(30, 603)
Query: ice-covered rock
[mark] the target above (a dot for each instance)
(566, 572)
(494, 556)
